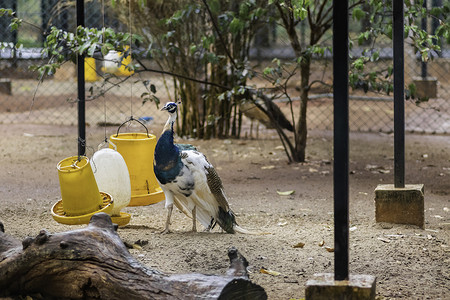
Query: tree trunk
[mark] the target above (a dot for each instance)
(93, 262)
(301, 130)
(300, 134)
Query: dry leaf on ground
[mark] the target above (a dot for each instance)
(299, 245)
(269, 272)
(286, 193)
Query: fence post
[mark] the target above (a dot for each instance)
(81, 88)
(399, 203)
(424, 66)
(341, 285)
(341, 138)
(399, 95)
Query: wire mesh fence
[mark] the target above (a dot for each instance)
(24, 99)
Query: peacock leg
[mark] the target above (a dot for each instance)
(257, 130)
(194, 219)
(169, 214)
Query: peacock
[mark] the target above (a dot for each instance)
(190, 182)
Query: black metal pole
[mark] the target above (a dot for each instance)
(81, 88)
(424, 66)
(399, 95)
(341, 138)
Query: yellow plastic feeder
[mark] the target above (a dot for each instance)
(60, 216)
(138, 149)
(79, 192)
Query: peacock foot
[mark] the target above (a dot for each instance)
(166, 231)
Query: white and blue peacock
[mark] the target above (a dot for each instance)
(190, 182)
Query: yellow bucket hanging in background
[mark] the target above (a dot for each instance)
(90, 70)
(112, 63)
(137, 149)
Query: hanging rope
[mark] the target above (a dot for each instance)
(104, 98)
(130, 24)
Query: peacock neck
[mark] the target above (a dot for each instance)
(166, 152)
(167, 163)
(169, 124)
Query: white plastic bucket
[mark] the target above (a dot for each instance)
(112, 176)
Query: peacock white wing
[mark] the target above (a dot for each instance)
(207, 194)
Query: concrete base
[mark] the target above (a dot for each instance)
(324, 287)
(400, 205)
(426, 87)
(5, 86)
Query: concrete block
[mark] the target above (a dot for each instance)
(426, 87)
(400, 205)
(5, 86)
(324, 287)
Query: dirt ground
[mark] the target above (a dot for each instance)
(408, 262)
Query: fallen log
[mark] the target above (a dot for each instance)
(93, 262)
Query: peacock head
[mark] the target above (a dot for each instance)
(171, 107)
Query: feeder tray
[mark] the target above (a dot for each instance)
(123, 220)
(147, 199)
(59, 215)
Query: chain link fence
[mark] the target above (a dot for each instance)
(24, 99)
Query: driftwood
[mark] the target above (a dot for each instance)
(93, 262)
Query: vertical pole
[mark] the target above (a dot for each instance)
(341, 139)
(399, 95)
(424, 66)
(81, 88)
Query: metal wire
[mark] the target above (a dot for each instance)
(131, 39)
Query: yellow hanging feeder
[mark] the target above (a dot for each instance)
(79, 192)
(138, 149)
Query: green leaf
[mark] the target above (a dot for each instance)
(91, 50)
(83, 48)
(214, 6)
(236, 26)
(268, 71)
(6, 12)
(243, 10)
(358, 14)
(300, 12)
(390, 70)
(413, 90)
(156, 100)
(375, 56)
(192, 49)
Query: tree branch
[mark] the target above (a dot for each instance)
(319, 14)
(93, 263)
(216, 28)
(146, 69)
